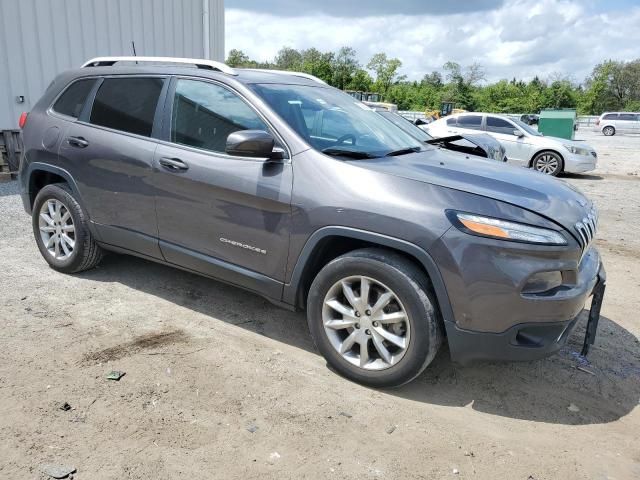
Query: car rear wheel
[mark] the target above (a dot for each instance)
(609, 131)
(374, 318)
(549, 163)
(61, 231)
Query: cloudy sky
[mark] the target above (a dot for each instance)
(521, 38)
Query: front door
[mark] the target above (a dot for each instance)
(518, 148)
(222, 215)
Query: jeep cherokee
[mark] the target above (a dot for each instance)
(282, 185)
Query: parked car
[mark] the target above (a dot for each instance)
(280, 184)
(530, 118)
(525, 146)
(611, 123)
(479, 144)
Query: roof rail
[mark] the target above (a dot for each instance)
(200, 63)
(287, 72)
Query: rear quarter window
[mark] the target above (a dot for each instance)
(470, 121)
(610, 116)
(127, 104)
(72, 100)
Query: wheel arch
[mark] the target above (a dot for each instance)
(38, 175)
(328, 243)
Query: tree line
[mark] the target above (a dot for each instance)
(612, 84)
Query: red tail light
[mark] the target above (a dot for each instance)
(597, 122)
(23, 119)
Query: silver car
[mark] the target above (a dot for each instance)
(611, 123)
(525, 146)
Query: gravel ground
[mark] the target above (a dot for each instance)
(221, 384)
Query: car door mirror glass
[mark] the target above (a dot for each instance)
(518, 133)
(251, 143)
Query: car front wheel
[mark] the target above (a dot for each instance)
(373, 317)
(549, 163)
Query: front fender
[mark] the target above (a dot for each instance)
(290, 290)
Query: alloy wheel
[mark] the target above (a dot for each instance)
(57, 230)
(547, 163)
(366, 323)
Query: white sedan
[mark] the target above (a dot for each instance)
(524, 145)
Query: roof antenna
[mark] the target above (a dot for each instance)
(133, 47)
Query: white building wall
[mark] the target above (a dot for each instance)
(41, 38)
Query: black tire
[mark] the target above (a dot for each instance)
(609, 131)
(410, 285)
(86, 253)
(540, 157)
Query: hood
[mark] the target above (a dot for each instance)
(492, 148)
(566, 141)
(547, 196)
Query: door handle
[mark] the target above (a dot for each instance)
(77, 142)
(174, 164)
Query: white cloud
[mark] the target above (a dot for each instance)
(521, 38)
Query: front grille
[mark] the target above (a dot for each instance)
(586, 228)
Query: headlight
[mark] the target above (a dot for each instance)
(577, 150)
(504, 230)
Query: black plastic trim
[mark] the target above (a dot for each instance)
(290, 291)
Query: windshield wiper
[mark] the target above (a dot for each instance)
(402, 151)
(340, 152)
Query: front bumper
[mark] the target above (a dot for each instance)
(525, 341)
(579, 163)
(493, 312)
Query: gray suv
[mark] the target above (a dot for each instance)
(282, 185)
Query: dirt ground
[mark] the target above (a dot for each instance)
(221, 384)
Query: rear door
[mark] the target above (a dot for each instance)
(466, 124)
(518, 148)
(110, 152)
(225, 216)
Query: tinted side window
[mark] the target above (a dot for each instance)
(451, 122)
(127, 104)
(72, 100)
(628, 116)
(204, 114)
(498, 125)
(610, 116)
(470, 121)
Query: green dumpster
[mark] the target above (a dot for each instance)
(558, 123)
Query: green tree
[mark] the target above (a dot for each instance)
(361, 81)
(386, 70)
(237, 58)
(317, 63)
(433, 79)
(288, 59)
(345, 66)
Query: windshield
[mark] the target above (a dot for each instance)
(526, 127)
(335, 123)
(406, 125)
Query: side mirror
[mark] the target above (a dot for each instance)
(518, 133)
(253, 143)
